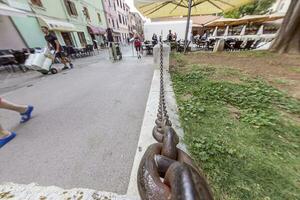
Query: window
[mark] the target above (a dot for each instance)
(109, 21)
(115, 6)
(109, 3)
(113, 22)
(120, 20)
(71, 8)
(118, 24)
(86, 13)
(123, 19)
(37, 3)
(121, 4)
(67, 38)
(82, 38)
(99, 17)
(118, 2)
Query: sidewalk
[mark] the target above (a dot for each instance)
(144, 138)
(85, 127)
(10, 81)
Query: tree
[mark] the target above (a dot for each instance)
(288, 39)
(255, 8)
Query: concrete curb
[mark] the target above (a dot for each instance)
(34, 192)
(146, 138)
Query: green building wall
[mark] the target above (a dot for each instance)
(30, 30)
(29, 27)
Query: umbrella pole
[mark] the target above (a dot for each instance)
(187, 25)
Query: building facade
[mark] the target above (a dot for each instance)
(281, 6)
(74, 22)
(110, 10)
(122, 11)
(139, 23)
(131, 25)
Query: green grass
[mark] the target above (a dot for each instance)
(295, 69)
(237, 134)
(256, 54)
(281, 81)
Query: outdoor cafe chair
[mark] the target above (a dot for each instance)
(256, 44)
(210, 44)
(7, 60)
(237, 45)
(248, 45)
(90, 49)
(228, 45)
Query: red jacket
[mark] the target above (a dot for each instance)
(137, 42)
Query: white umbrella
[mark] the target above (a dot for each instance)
(243, 32)
(226, 31)
(260, 30)
(215, 32)
(167, 8)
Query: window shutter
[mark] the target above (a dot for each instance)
(67, 6)
(37, 2)
(73, 7)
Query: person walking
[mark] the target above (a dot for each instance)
(137, 45)
(59, 53)
(154, 39)
(25, 112)
(170, 36)
(111, 44)
(175, 36)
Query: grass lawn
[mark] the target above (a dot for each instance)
(241, 127)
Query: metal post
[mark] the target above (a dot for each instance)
(187, 25)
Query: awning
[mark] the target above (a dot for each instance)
(96, 30)
(244, 20)
(197, 25)
(9, 11)
(116, 33)
(252, 19)
(57, 25)
(221, 22)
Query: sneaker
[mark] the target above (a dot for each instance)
(8, 138)
(65, 68)
(71, 65)
(27, 114)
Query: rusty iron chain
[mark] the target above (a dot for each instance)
(165, 171)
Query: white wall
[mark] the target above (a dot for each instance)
(281, 6)
(158, 27)
(9, 36)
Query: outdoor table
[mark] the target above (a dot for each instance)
(149, 48)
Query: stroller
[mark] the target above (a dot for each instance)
(42, 61)
(118, 51)
(115, 51)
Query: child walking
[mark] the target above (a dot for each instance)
(137, 45)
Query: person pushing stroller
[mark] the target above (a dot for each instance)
(59, 53)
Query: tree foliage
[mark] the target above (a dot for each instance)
(255, 8)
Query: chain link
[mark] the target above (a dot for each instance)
(166, 172)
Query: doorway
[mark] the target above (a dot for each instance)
(67, 38)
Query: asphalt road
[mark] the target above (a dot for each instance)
(85, 125)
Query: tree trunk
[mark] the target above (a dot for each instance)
(288, 38)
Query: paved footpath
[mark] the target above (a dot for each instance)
(85, 127)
